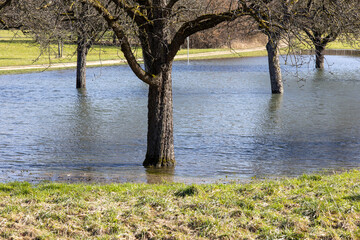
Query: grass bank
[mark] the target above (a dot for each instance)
(307, 207)
(16, 49)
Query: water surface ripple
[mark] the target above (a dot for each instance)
(227, 124)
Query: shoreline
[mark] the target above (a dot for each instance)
(259, 51)
(306, 207)
(230, 53)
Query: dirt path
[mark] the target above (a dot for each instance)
(122, 61)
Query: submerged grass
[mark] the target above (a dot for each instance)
(307, 207)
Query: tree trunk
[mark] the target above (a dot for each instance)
(160, 140)
(274, 65)
(114, 39)
(319, 53)
(82, 51)
(60, 48)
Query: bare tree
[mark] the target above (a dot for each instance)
(36, 18)
(73, 19)
(274, 19)
(324, 21)
(88, 28)
(55, 21)
(154, 22)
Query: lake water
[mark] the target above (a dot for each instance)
(227, 124)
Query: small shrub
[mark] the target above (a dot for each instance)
(311, 177)
(188, 191)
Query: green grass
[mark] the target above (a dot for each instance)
(341, 45)
(259, 53)
(17, 49)
(18, 53)
(13, 35)
(334, 45)
(307, 207)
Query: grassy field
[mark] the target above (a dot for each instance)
(340, 45)
(17, 49)
(307, 207)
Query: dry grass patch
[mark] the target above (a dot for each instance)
(307, 207)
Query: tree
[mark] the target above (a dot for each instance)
(88, 29)
(75, 20)
(273, 19)
(323, 21)
(161, 28)
(36, 18)
(55, 21)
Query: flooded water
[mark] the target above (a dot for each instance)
(227, 124)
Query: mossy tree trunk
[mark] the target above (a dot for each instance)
(160, 137)
(60, 48)
(272, 48)
(160, 140)
(320, 39)
(83, 46)
(320, 56)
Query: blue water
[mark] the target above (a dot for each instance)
(227, 124)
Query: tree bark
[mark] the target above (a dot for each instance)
(320, 56)
(272, 48)
(160, 140)
(82, 51)
(60, 48)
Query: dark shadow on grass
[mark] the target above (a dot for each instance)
(353, 198)
(187, 191)
(31, 41)
(11, 58)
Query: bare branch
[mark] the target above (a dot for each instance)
(125, 45)
(4, 4)
(171, 4)
(199, 24)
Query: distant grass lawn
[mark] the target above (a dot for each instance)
(340, 45)
(17, 49)
(16, 53)
(307, 207)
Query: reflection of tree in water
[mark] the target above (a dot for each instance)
(266, 153)
(85, 132)
(274, 106)
(156, 175)
(316, 129)
(79, 145)
(83, 127)
(272, 118)
(337, 116)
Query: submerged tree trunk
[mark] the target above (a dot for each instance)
(320, 40)
(272, 48)
(320, 56)
(82, 51)
(160, 140)
(159, 47)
